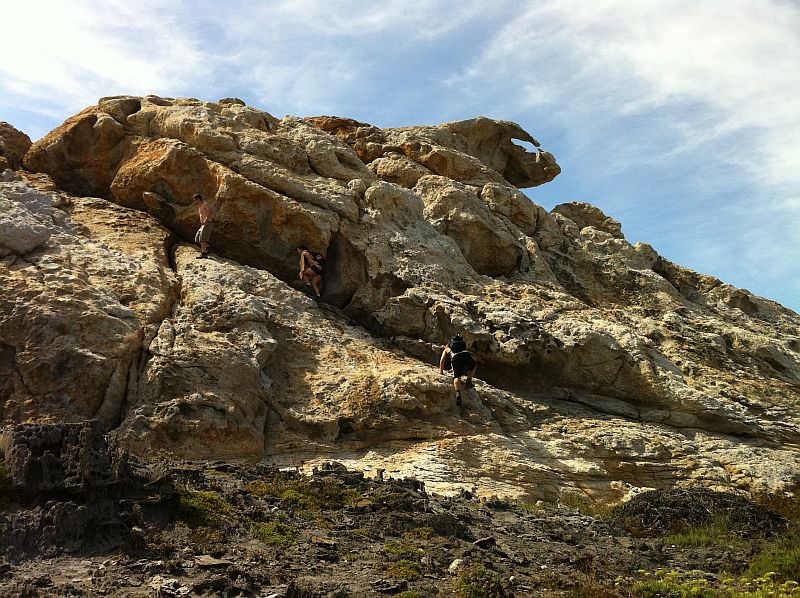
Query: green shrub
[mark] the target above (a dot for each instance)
(591, 588)
(479, 582)
(399, 549)
(309, 493)
(404, 569)
(781, 557)
(201, 508)
(717, 533)
(409, 594)
(276, 533)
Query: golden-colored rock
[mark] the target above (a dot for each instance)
(602, 365)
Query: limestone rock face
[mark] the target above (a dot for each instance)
(584, 214)
(469, 151)
(14, 145)
(602, 365)
(84, 282)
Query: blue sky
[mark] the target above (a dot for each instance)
(679, 118)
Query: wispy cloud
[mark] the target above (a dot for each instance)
(717, 73)
(67, 54)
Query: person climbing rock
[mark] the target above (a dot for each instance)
(312, 268)
(463, 364)
(203, 234)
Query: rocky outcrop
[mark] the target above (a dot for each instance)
(85, 286)
(473, 151)
(603, 365)
(14, 144)
(71, 492)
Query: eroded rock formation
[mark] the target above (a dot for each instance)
(602, 364)
(14, 144)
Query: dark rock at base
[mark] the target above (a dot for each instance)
(70, 491)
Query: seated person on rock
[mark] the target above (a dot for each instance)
(312, 268)
(462, 361)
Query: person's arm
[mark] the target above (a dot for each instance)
(441, 360)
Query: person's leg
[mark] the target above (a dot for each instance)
(469, 383)
(457, 386)
(203, 235)
(315, 282)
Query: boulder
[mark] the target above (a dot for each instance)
(584, 214)
(14, 144)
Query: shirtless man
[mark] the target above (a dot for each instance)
(206, 225)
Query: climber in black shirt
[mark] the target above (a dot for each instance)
(462, 362)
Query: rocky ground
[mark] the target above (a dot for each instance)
(217, 529)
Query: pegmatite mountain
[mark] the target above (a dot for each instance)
(603, 366)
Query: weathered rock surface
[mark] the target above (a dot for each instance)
(603, 365)
(70, 491)
(14, 144)
(85, 286)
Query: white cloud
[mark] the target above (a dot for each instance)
(712, 73)
(70, 53)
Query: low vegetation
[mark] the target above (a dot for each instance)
(477, 581)
(404, 569)
(200, 508)
(308, 493)
(276, 533)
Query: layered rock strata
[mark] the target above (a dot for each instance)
(603, 365)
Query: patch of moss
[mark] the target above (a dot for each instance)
(399, 549)
(422, 533)
(360, 531)
(276, 533)
(404, 569)
(309, 493)
(200, 508)
(409, 594)
(585, 505)
(479, 582)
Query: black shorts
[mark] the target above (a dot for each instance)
(463, 363)
(318, 270)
